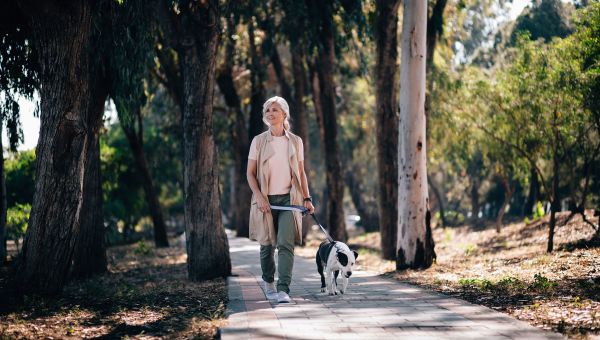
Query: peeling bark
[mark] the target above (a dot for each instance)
(415, 246)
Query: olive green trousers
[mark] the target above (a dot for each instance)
(285, 230)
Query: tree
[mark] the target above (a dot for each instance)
(322, 13)
(193, 28)
(386, 36)
(545, 19)
(19, 70)
(61, 36)
(238, 132)
(415, 247)
(129, 64)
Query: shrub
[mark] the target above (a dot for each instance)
(17, 218)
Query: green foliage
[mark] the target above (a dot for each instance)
(129, 34)
(20, 177)
(510, 283)
(19, 68)
(121, 184)
(545, 19)
(483, 284)
(142, 248)
(124, 198)
(538, 211)
(17, 218)
(542, 283)
(470, 249)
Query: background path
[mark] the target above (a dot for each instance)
(372, 308)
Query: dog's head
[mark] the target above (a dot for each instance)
(347, 258)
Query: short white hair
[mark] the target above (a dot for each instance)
(284, 106)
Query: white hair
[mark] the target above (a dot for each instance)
(284, 106)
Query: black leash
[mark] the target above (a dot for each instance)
(304, 211)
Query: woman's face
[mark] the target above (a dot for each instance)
(274, 114)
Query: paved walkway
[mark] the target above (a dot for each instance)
(372, 308)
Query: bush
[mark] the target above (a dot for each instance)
(17, 218)
(542, 283)
(538, 211)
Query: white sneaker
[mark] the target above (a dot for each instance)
(270, 290)
(283, 297)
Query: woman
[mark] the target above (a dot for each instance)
(276, 176)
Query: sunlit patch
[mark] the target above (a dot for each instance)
(138, 317)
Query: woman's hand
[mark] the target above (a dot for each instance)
(263, 204)
(308, 205)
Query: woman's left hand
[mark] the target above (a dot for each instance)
(308, 205)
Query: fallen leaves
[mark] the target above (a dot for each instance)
(509, 272)
(144, 295)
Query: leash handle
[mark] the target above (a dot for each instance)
(304, 211)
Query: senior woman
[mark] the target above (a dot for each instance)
(276, 176)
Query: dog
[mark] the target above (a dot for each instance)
(333, 258)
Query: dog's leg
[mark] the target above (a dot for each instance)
(344, 284)
(330, 283)
(320, 270)
(335, 276)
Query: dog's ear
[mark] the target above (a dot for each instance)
(355, 254)
(343, 258)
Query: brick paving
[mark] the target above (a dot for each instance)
(372, 308)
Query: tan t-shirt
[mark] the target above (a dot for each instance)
(280, 178)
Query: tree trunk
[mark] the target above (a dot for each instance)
(284, 86)
(415, 248)
(61, 35)
(136, 144)
(258, 96)
(534, 190)
(299, 117)
(555, 202)
(3, 205)
(239, 139)
(90, 252)
(321, 209)
(435, 28)
(474, 195)
(440, 201)
(207, 245)
(334, 176)
(386, 35)
(367, 212)
(508, 193)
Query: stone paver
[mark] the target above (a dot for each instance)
(372, 308)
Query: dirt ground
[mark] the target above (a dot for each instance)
(144, 295)
(509, 272)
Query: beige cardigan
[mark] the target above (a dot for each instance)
(261, 224)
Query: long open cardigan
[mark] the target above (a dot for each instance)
(261, 224)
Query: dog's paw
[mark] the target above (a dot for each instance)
(322, 289)
(331, 293)
(342, 291)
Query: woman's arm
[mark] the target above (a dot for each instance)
(261, 201)
(304, 184)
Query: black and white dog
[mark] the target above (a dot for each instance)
(335, 257)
